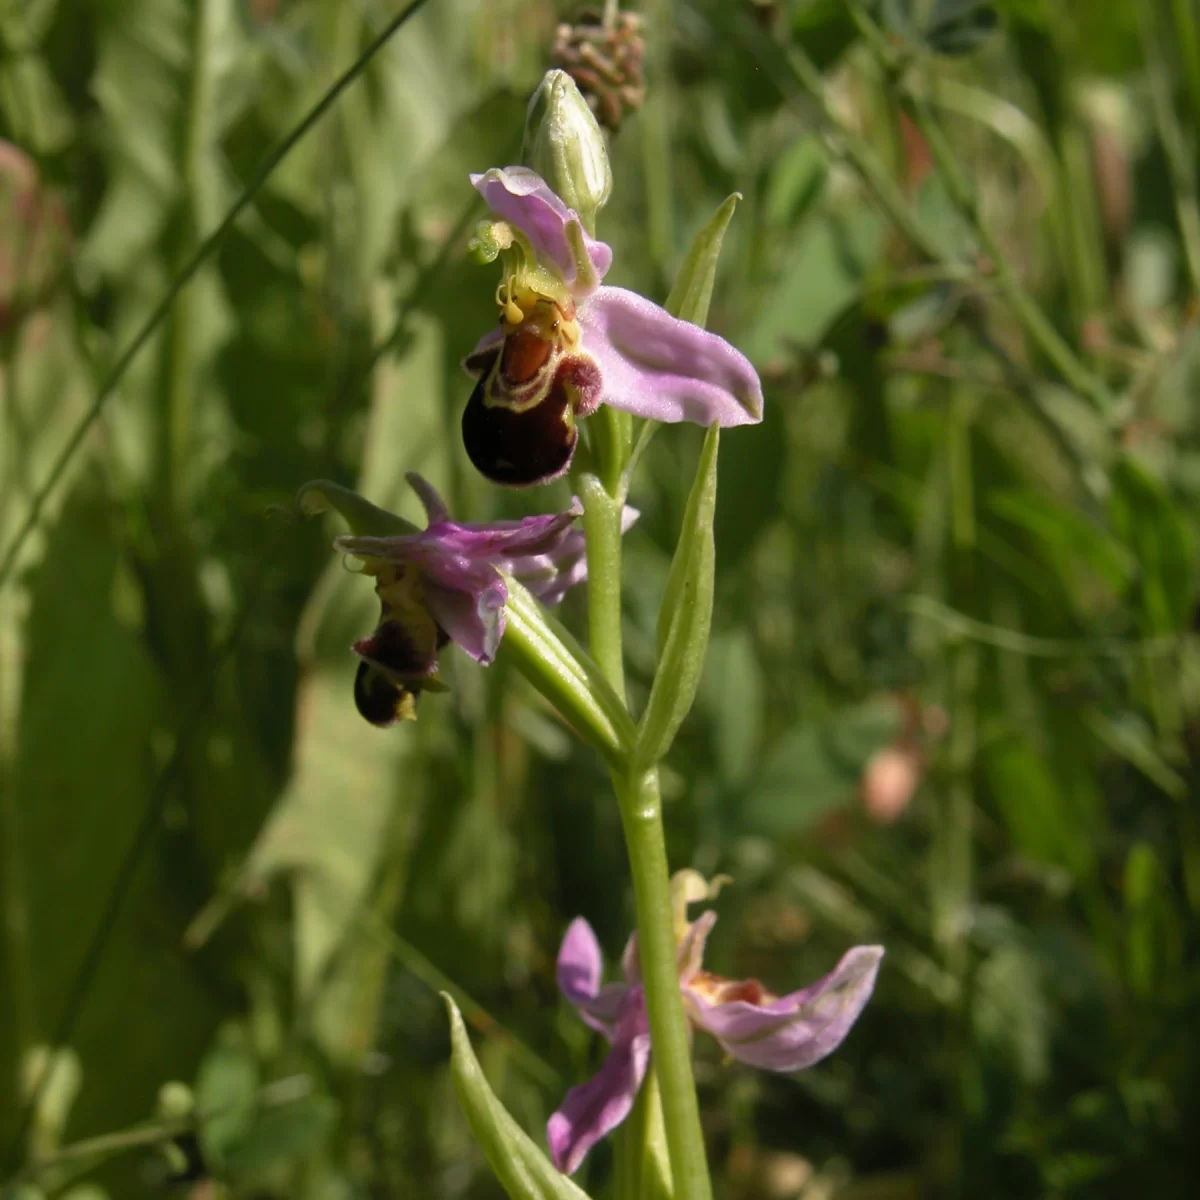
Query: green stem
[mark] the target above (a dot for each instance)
(93, 1151)
(641, 817)
(602, 529)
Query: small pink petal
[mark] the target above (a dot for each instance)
(579, 971)
(594, 1109)
(522, 198)
(473, 619)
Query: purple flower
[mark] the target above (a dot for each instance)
(565, 344)
(774, 1033)
(443, 584)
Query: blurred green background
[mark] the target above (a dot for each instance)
(952, 702)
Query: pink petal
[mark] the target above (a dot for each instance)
(473, 619)
(456, 549)
(594, 1109)
(657, 366)
(795, 1031)
(521, 197)
(579, 971)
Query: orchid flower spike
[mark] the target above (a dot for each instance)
(773, 1033)
(565, 344)
(445, 583)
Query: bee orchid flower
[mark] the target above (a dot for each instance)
(566, 344)
(773, 1033)
(444, 583)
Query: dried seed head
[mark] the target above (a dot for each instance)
(605, 62)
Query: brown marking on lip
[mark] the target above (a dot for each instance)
(525, 354)
(727, 991)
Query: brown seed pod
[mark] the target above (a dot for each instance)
(606, 63)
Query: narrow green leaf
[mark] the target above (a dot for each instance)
(523, 1170)
(1154, 938)
(1130, 738)
(689, 298)
(550, 658)
(685, 615)
(642, 1163)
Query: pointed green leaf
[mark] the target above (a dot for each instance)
(641, 1161)
(689, 298)
(523, 1170)
(685, 615)
(550, 658)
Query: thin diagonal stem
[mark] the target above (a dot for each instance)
(202, 254)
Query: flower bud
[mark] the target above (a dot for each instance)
(564, 145)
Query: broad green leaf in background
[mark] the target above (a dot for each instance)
(815, 768)
(85, 774)
(282, 1133)
(813, 280)
(797, 180)
(1046, 807)
(226, 1094)
(523, 1170)
(732, 691)
(334, 823)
